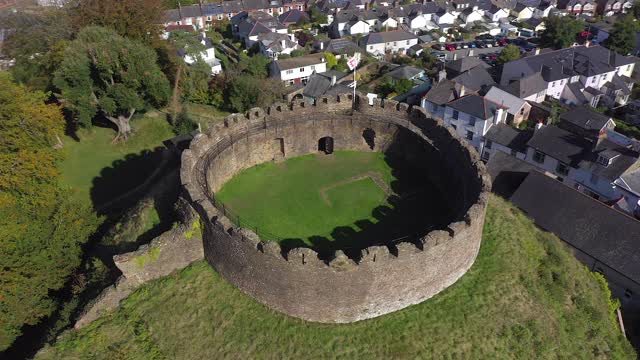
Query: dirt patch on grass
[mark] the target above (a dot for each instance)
(374, 176)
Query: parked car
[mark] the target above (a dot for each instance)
(438, 47)
(459, 39)
(450, 47)
(488, 44)
(440, 55)
(484, 37)
(503, 42)
(464, 45)
(480, 44)
(471, 45)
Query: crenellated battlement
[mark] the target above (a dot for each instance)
(298, 281)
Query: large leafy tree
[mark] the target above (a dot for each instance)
(623, 36)
(37, 43)
(41, 228)
(136, 19)
(561, 32)
(103, 73)
(509, 53)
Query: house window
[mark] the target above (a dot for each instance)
(289, 72)
(553, 84)
(313, 67)
(470, 135)
(395, 43)
(370, 47)
(208, 18)
(538, 157)
(455, 114)
(407, 42)
(594, 179)
(472, 121)
(488, 144)
(302, 69)
(603, 160)
(562, 169)
(628, 67)
(220, 17)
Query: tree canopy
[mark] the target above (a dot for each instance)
(41, 229)
(509, 53)
(103, 73)
(561, 32)
(623, 36)
(135, 19)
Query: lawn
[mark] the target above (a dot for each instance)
(525, 297)
(93, 166)
(309, 196)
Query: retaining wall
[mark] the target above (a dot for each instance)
(380, 279)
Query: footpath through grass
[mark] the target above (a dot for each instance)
(98, 170)
(309, 195)
(525, 297)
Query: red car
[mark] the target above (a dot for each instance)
(503, 42)
(450, 47)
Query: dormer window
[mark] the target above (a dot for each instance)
(606, 157)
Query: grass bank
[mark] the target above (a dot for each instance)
(525, 297)
(98, 170)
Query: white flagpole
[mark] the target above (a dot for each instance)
(355, 82)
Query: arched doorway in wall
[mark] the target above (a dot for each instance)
(369, 136)
(325, 145)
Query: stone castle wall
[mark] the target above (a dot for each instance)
(381, 279)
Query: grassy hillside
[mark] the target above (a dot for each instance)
(93, 166)
(525, 297)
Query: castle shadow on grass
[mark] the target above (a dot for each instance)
(415, 207)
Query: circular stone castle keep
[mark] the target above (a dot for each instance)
(338, 288)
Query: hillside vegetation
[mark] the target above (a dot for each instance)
(525, 297)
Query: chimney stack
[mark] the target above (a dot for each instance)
(442, 75)
(539, 125)
(333, 80)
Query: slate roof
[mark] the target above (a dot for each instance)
(585, 119)
(441, 93)
(339, 46)
(293, 16)
(527, 86)
(465, 63)
(476, 106)
(404, 72)
(509, 136)
(475, 79)
(388, 36)
(560, 64)
(320, 84)
(623, 159)
(560, 144)
(512, 103)
(300, 61)
(590, 226)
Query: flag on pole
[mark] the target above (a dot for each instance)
(353, 62)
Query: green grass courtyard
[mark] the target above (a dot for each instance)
(322, 201)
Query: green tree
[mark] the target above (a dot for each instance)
(257, 65)
(560, 32)
(37, 45)
(509, 53)
(42, 229)
(318, 17)
(403, 86)
(103, 73)
(245, 92)
(135, 19)
(635, 10)
(331, 60)
(623, 36)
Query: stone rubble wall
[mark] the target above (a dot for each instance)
(342, 289)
